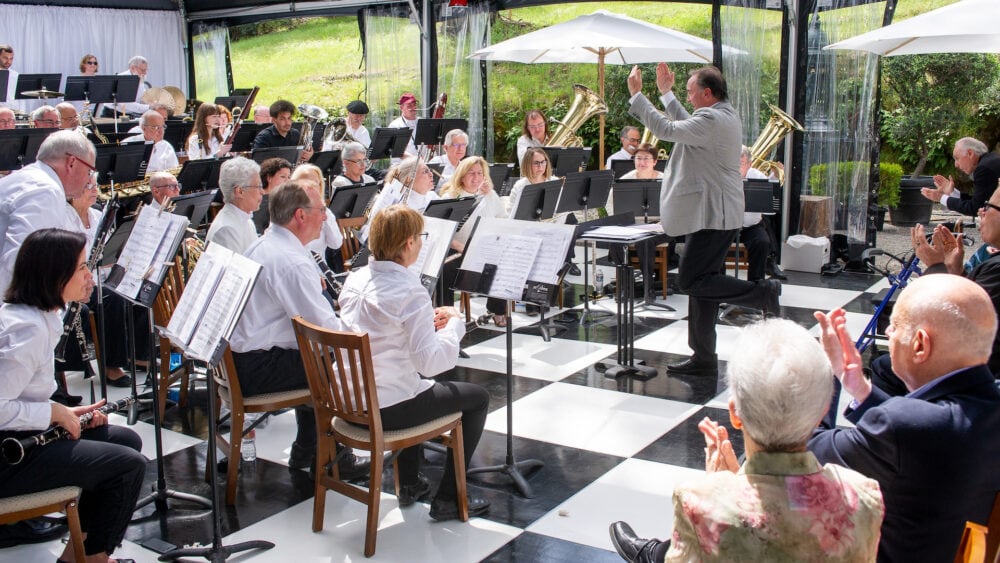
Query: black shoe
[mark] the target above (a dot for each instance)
(442, 510)
(774, 270)
(353, 467)
(123, 381)
(772, 308)
(630, 547)
(301, 458)
(32, 530)
(61, 396)
(409, 494)
(693, 366)
(574, 270)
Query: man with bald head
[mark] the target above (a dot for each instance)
(153, 125)
(68, 117)
(934, 450)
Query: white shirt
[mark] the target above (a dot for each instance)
(387, 301)
(32, 198)
(232, 228)
(289, 285)
(751, 219)
(402, 122)
(137, 106)
(447, 172)
(360, 135)
(28, 337)
(342, 180)
(620, 155)
(329, 237)
(195, 150)
(163, 156)
(392, 194)
(525, 142)
(16, 105)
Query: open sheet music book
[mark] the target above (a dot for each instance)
(148, 252)
(523, 266)
(212, 302)
(433, 250)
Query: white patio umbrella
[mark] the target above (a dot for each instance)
(602, 38)
(967, 26)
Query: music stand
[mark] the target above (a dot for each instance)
(457, 209)
(637, 196)
(585, 191)
(26, 82)
(123, 87)
(245, 136)
(499, 173)
(351, 201)
(93, 89)
(538, 201)
(329, 164)
(291, 154)
(433, 131)
(121, 163)
(624, 166)
(194, 206)
(4, 79)
(200, 175)
(389, 142)
(231, 101)
(177, 132)
(19, 147)
(581, 229)
(567, 159)
(758, 195)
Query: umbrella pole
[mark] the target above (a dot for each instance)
(600, 91)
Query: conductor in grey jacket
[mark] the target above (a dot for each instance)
(702, 199)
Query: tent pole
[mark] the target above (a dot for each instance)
(600, 92)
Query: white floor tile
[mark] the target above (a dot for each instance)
(674, 338)
(535, 358)
(592, 419)
(172, 441)
(818, 298)
(49, 551)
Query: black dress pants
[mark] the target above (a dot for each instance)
(758, 244)
(441, 399)
(105, 462)
(272, 371)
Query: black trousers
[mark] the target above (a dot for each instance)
(272, 371)
(702, 278)
(441, 399)
(758, 244)
(115, 338)
(105, 462)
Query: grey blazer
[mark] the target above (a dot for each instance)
(702, 187)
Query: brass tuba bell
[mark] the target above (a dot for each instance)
(337, 134)
(585, 105)
(777, 128)
(311, 114)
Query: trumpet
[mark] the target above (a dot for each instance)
(14, 450)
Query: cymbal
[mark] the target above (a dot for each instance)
(180, 100)
(158, 96)
(43, 93)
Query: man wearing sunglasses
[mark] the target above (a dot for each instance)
(34, 197)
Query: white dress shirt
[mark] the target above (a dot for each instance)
(195, 150)
(16, 105)
(342, 180)
(32, 198)
(361, 135)
(620, 155)
(387, 301)
(447, 172)
(290, 284)
(329, 237)
(232, 228)
(136, 107)
(163, 156)
(392, 194)
(28, 337)
(412, 124)
(525, 142)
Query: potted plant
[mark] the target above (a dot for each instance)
(890, 175)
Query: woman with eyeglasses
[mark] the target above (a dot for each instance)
(206, 139)
(535, 168)
(411, 343)
(534, 133)
(354, 158)
(410, 179)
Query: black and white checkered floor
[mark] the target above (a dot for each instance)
(612, 449)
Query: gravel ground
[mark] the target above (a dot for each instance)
(896, 240)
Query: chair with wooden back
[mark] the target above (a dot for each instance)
(163, 309)
(349, 228)
(35, 505)
(339, 368)
(231, 396)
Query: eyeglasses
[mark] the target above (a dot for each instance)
(987, 206)
(423, 235)
(537, 126)
(6, 122)
(174, 186)
(643, 158)
(460, 145)
(155, 127)
(539, 162)
(91, 63)
(633, 140)
(93, 169)
(363, 161)
(257, 187)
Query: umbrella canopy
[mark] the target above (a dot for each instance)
(602, 37)
(968, 26)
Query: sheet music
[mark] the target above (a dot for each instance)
(548, 259)
(552, 255)
(518, 256)
(625, 232)
(150, 246)
(198, 290)
(435, 247)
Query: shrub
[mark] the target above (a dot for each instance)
(890, 174)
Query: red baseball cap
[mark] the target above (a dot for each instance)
(406, 98)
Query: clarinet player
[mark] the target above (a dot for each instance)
(104, 461)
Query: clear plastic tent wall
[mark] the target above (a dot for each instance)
(754, 33)
(392, 61)
(460, 32)
(209, 50)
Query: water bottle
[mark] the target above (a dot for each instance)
(599, 281)
(248, 449)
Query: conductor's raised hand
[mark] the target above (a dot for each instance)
(634, 81)
(664, 78)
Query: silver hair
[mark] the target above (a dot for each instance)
(628, 129)
(973, 144)
(238, 171)
(56, 146)
(137, 60)
(745, 152)
(450, 136)
(41, 111)
(285, 199)
(149, 113)
(781, 382)
(352, 150)
(161, 175)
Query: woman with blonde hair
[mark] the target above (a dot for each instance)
(535, 168)
(330, 237)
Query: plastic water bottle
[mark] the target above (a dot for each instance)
(599, 280)
(248, 449)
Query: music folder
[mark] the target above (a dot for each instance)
(19, 147)
(389, 142)
(585, 190)
(433, 251)
(351, 201)
(146, 256)
(28, 82)
(433, 131)
(4, 80)
(538, 201)
(759, 196)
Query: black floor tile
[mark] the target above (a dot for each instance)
(684, 445)
(851, 281)
(495, 383)
(529, 547)
(686, 388)
(603, 329)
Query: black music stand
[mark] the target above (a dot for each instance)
(538, 201)
(123, 87)
(499, 174)
(585, 191)
(291, 154)
(457, 209)
(194, 206)
(620, 220)
(177, 133)
(245, 136)
(433, 131)
(389, 142)
(26, 82)
(567, 159)
(95, 89)
(200, 175)
(231, 101)
(19, 147)
(637, 197)
(351, 201)
(121, 163)
(329, 164)
(4, 80)
(624, 166)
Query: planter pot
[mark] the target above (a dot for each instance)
(913, 207)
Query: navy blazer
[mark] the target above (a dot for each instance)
(934, 452)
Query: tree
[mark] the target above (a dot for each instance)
(929, 98)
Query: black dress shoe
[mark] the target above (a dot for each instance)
(61, 396)
(630, 547)
(353, 467)
(409, 494)
(772, 288)
(447, 509)
(32, 530)
(301, 457)
(693, 366)
(774, 270)
(123, 381)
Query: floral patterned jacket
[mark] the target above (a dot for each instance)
(779, 507)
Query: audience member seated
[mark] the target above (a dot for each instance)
(974, 158)
(931, 450)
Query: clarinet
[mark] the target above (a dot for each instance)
(333, 285)
(14, 449)
(71, 320)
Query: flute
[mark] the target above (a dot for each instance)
(14, 449)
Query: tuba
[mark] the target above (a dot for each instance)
(777, 128)
(649, 139)
(337, 135)
(312, 114)
(585, 105)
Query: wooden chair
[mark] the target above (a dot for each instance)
(34, 505)
(349, 229)
(660, 262)
(737, 255)
(163, 308)
(339, 367)
(972, 548)
(231, 396)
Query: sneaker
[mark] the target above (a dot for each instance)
(409, 494)
(447, 509)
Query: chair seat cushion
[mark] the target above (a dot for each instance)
(38, 500)
(361, 433)
(282, 396)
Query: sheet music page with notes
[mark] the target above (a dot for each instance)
(552, 255)
(435, 246)
(198, 290)
(149, 249)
